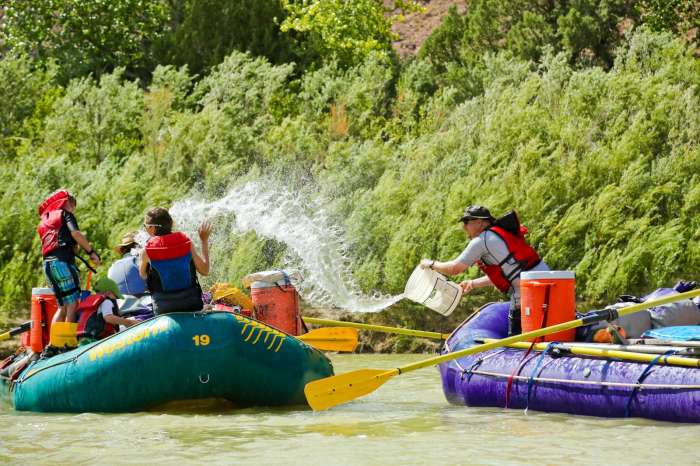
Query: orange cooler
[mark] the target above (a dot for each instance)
(44, 306)
(561, 306)
(277, 305)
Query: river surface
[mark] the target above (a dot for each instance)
(406, 421)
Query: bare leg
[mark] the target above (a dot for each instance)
(60, 315)
(71, 311)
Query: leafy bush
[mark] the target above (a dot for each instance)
(87, 36)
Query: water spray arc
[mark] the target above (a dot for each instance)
(315, 246)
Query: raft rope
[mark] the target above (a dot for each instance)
(543, 324)
(642, 376)
(640, 386)
(535, 370)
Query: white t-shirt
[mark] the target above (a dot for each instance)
(490, 249)
(106, 308)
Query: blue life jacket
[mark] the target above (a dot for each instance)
(172, 267)
(172, 276)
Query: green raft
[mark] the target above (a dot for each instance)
(171, 358)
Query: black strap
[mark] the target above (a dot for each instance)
(87, 264)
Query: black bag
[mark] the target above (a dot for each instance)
(509, 222)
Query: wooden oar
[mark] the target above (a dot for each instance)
(378, 328)
(575, 348)
(16, 331)
(331, 391)
(331, 339)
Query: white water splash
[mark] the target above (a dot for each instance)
(315, 246)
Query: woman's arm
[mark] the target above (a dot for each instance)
(143, 265)
(201, 263)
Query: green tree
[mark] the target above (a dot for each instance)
(346, 31)
(87, 36)
(207, 31)
(588, 31)
(677, 16)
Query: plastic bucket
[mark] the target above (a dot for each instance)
(277, 305)
(556, 287)
(44, 306)
(427, 287)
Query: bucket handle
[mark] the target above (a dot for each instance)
(287, 281)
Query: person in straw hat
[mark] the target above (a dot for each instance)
(125, 271)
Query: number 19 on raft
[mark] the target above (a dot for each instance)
(201, 340)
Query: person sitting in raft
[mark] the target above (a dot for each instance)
(60, 239)
(98, 314)
(501, 253)
(169, 264)
(125, 271)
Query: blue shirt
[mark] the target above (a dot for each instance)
(125, 272)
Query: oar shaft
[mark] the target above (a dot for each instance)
(590, 318)
(377, 328)
(16, 331)
(611, 353)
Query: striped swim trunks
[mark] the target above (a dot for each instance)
(64, 280)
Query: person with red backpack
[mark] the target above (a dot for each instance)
(60, 239)
(98, 313)
(498, 247)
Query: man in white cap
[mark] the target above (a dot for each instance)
(500, 251)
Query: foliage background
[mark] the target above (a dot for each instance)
(595, 141)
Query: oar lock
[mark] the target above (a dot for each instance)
(608, 314)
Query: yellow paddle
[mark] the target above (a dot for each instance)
(609, 353)
(331, 391)
(378, 328)
(15, 331)
(331, 339)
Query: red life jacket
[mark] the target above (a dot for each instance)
(51, 213)
(518, 249)
(55, 201)
(91, 324)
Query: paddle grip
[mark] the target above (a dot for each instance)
(606, 314)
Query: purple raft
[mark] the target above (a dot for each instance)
(564, 384)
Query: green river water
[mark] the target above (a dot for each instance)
(406, 421)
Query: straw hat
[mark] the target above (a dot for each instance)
(128, 239)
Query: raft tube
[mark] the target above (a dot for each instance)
(564, 384)
(170, 358)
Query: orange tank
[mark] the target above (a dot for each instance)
(44, 306)
(277, 305)
(548, 298)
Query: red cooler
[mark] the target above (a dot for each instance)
(44, 306)
(277, 304)
(548, 298)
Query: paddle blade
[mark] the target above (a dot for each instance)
(332, 339)
(331, 391)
